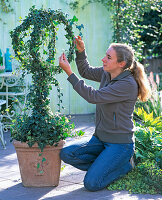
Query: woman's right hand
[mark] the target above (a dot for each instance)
(79, 44)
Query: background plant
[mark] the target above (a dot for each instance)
(145, 178)
(148, 140)
(136, 22)
(34, 46)
(148, 123)
(154, 104)
(5, 6)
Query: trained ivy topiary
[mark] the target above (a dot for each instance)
(34, 46)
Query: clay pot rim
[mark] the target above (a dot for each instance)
(19, 144)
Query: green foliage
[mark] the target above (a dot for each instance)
(63, 167)
(47, 130)
(148, 120)
(151, 32)
(148, 143)
(146, 178)
(134, 25)
(130, 20)
(135, 22)
(154, 104)
(148, 137)
(34, 46)
(5, 6)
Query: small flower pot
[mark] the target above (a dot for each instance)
(39, 169)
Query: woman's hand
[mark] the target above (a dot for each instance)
(79, 44)
(64, 64)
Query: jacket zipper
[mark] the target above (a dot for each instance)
(114, 119)
(98, 121)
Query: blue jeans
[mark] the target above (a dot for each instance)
(104, 162)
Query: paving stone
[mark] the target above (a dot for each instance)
(70, 174)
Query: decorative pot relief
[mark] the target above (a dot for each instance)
(40, 166)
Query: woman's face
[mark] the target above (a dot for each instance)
(110, 63)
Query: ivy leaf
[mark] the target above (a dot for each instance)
(55, 23)
(50, 87)
(38, 165)
(44, 52)
(80, 27)
(43, 159)
(29, 137)
(75, 19)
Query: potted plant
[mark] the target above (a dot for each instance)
(39, 136)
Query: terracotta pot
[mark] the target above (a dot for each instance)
(39, 169)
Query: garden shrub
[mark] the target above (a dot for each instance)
(145, 178)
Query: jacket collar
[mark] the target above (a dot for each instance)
(122, 75)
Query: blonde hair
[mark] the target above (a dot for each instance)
(126, 53)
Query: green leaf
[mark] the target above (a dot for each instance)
(75, 19)
(43, 159)
(45, 52)
(38, 165)
(80, 133)
(55, 23)
(63, 167)
(50, 87)
(29, 137)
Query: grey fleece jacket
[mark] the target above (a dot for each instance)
(115, 100)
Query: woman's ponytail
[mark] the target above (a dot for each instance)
(144, 90)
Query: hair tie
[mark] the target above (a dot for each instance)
(134, 64)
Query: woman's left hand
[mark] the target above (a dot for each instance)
(64, 64)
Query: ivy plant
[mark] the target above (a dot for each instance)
(34, 44)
